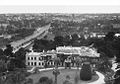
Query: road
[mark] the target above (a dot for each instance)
(27, 40)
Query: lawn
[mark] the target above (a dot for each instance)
(63, 73)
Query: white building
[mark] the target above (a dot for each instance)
(35, 59)
(81, 51)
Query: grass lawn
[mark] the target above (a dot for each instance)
(63, 73)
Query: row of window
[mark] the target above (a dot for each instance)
(35, 63)
(39, 63)
(35, 58)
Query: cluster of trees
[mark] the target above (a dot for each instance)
(22, 33)
(117, 77)
(94, 25)
(108, 46)
(12, 66)
(10, 61)
(16, 77)
(62, 28)
(44, 44)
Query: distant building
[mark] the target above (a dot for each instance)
(98, 35)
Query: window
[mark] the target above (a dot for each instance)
(32, 63)
(48, 63)
(39, 63)
(35, 63)
(28, 63)
(31, 58)
(28, 58)
(42, 63)
(34, 58)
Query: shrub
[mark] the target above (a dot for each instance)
(29, 81)
(85, 73)
(45, 80)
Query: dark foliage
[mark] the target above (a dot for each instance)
(40, 45)
(117, 77)
(8, 50)
(45, 80)
(85, 73)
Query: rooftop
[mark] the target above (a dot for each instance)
(82, 51)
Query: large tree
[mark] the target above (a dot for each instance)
(110, 36)
(2, 56)
(8, 50)
(59, 40)
(19, 60)
(85, 73)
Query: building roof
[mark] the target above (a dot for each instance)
(33, 53)
(41, 53)
(82, 51)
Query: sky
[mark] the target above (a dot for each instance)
(59, 6)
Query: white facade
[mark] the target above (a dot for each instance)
(34, 59)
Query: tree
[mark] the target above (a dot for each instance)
(74, 36)
(75, 40)
(20, 54)
(85, 73)
(19, 60)
(110, 36)
(40, 45)
(105, 65)
(1, 52)
(67, 40)
(58, 40)
(117, 77)
(8, 50)
(2, 56)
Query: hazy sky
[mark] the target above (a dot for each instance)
(59, 9)
(59, 6)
